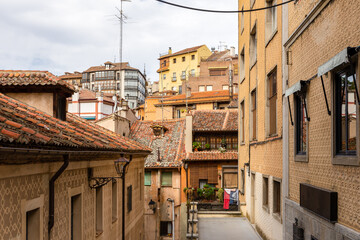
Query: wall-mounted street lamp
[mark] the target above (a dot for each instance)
(152, 205)
(121, 169)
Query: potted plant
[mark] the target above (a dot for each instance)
(207, 146)
(223, 143)
(196, 146)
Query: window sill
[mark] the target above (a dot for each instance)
(272, 136)
(346, 160)
(266, 208)
(271, 37)
(242, 144)
(301, 158)
(277, 216)
(166, 186)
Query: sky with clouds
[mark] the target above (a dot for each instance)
(72, 35)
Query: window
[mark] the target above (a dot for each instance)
(183, 75)
(270, 19)
(173, 88)
(76, 217)
(272, 95)
(253, 46)
(346, 108)
(300, 125)
(174, 60)
(114, 200)
(230, 177)
(265, 199)
(242, 189)
(202, 182)
(174, 76)
(277, 197)
(242, 20)
(242, 122)
(147, 181)
(225, 87)
(192, 57)
(164, 76)
(180, 89)
(129, 198)
(178, 114)
(217, 72)
(242, 64)
(33, 224)
(166, 179)
(253, 114)
(192, 72)
(183, 59)
(201, 88)
(99, 210)
(166, 228)
(209, 88)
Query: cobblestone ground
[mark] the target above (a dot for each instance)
(226, 229)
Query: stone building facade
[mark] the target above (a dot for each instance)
(260, 116)
(50, 162)
(323, 153)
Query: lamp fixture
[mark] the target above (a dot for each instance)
(120, 167)
(152, 205)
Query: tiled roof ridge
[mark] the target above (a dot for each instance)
(211, 156)
(25, 124)
(212, 110)
(185, 50)
(7, 76)
(226, 120)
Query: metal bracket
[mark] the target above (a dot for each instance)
(96, 182)
(292, 123)
(326, 101)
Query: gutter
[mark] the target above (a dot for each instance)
(52, 193)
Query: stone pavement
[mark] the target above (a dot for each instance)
(227, 228)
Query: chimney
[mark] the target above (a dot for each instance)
(232, 51)
(170, 51)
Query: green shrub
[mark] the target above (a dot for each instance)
(220, 195)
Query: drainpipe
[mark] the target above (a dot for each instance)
(173, 217)
(123, 202)
(52, 193)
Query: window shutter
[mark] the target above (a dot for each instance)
(166, 178)
(212, 174)
(194, 176)
(147, 178)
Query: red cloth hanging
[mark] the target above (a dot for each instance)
(226, 200)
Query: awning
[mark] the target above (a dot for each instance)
(340, 58)
(295, 88)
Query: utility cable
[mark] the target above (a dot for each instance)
(220, 11)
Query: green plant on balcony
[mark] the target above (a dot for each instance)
(196, 146)
(207, 146)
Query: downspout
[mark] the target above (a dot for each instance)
(123, 203)
(52, 193)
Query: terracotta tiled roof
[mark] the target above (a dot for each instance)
(20, 78)
(199, 97)
(171, 146)
(215, 120)
(205, 156)
(25, 126)
(71, 76)
(124, 65)
(85, 94)
(217, 55)
(186, 50)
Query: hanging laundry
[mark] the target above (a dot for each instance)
(226, 198)
(234, 197)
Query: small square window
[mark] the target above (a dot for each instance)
(225, 87)
(166, 179)
(192, 57)
(209, 88)
(183, 59)
(174, 60)
(147, 181)
(201, 88)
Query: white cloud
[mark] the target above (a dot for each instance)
(65, 36)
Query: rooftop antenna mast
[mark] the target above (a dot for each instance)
(121, 19)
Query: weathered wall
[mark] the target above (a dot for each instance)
(333, 30)
(22, 183)
(42, 101)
